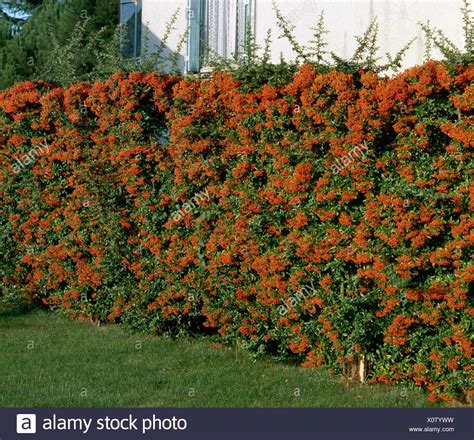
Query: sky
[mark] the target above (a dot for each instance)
(13, 11)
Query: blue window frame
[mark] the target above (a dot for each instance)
(131, 28)
(196, 22)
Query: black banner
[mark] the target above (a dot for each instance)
(210, 424)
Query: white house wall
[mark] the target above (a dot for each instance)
(155, 16)
(398, 22)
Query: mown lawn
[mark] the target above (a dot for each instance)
(48, 360)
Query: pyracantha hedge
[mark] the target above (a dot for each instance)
(327, 220)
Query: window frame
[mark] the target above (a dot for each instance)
(198, 22)
(137, 29)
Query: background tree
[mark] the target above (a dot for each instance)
(30, 30)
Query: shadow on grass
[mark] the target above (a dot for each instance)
(16, 305)
(7, 312)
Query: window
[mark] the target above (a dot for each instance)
(244, 22)
(131, 27)
(195, 12)
(216, 27)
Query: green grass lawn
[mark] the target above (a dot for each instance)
(48, 360)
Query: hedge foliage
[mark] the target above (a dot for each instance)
(327, 220)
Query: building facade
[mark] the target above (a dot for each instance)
(219, 26)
